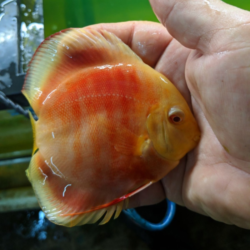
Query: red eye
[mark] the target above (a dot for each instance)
(175, 118)
(176, 115)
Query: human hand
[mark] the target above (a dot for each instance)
(206, 54)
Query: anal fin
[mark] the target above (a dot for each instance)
(108, 215)
(64, 208)
(113, 208)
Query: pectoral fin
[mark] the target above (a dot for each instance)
(124, 140)
(134, 145)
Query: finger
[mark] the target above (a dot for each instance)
(173, 182)
(147, 39)
(200, 24)
(155, 46)
(214, 186)
(149, 196)
(169, 187)
(172, 64)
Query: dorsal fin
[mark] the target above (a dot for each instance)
(65, 52)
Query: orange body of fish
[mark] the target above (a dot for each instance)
(108, 126)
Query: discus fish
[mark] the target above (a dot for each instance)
(108, 126)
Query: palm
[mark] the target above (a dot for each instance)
(208, 179)
(217, 173)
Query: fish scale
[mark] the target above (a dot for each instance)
(105, 129)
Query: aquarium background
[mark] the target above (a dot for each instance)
(22, 223)
(61, 14)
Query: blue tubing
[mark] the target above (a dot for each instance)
(138, 220)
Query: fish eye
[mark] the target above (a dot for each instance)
(176, 115)
(175, 118)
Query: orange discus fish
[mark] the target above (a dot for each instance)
(108, 126)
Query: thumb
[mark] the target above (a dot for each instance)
(195, 23)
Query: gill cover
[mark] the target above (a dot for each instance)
(156, 130)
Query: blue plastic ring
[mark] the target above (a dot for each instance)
(138, 220)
